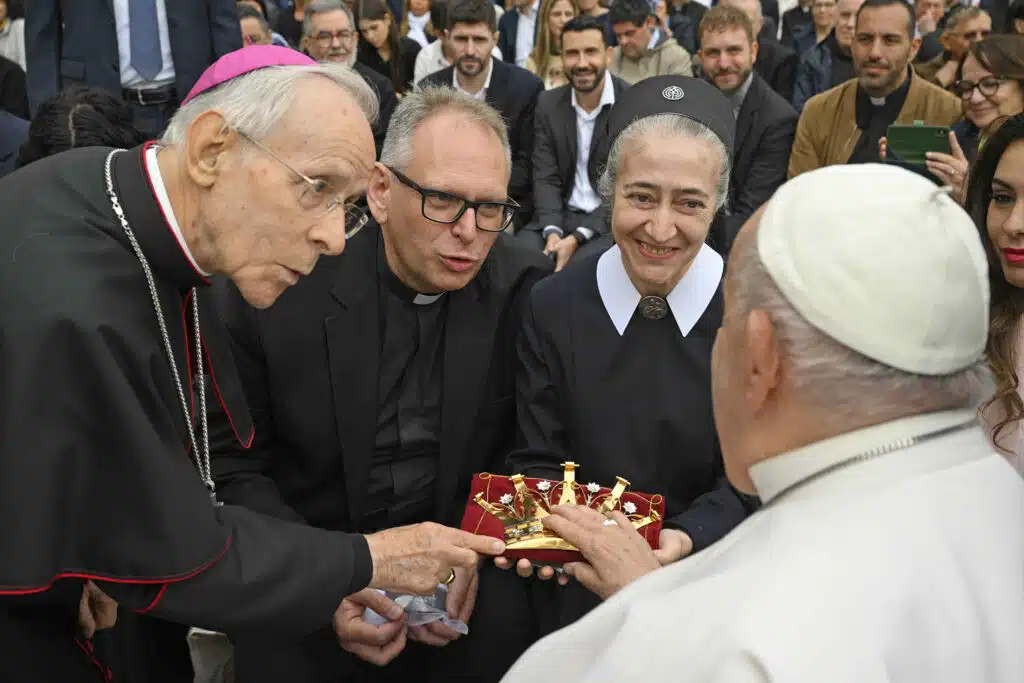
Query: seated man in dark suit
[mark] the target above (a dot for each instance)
(152, 62)
(830, 62)
(383, 381)
(776, 63)
(329, 35)
(570, 146)
(515, 46)
(506, 87)
(765, 122)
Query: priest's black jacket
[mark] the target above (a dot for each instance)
(311, 366)
(622, 395)
(96, 479)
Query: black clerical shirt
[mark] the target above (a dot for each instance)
(404, 469)
(874, 116)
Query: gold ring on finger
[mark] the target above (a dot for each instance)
(451, 577)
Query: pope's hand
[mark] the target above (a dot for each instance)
(375, 643)
(96, 610)
(460, 604)
(615, 554)
(414, 559)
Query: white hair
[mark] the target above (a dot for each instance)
(670, 125)
(419, 105)
(846, 383)
(255, 102)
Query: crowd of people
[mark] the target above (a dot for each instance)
(664, 240)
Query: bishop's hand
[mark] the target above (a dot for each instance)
(414, 559)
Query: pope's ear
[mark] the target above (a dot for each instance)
(208, 141)
(764, 362)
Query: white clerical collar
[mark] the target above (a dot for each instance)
(775, 475)
(426, 299)
(607, 96)
(157, 181)
(688, 299)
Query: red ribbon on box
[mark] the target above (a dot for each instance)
(511, 509)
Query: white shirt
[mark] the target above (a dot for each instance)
(12, 41)
(904, 568)
(525, 33)
(431, 60)
(482, 95)
(418, 27)
(162, 198)
(583, 196)
(130, 78)
(688, 299)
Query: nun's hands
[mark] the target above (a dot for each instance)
(525, 568)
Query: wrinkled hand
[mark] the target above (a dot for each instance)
(950, 169)
(414, 559)
(616, 555)
(374, 643)
(461, 601)
(564, 251)
(96, 610)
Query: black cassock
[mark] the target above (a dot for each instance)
(96, 479)
(624, 395)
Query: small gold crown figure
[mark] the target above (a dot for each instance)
(521, 513)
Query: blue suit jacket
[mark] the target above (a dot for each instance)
(508, 30)
(69, 42)
(13, 132)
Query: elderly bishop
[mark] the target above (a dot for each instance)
(110, 359)
(846, 377)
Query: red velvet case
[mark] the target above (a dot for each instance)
(496, 508)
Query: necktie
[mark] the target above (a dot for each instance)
(144, 37)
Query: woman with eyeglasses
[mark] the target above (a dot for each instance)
(989, 85)
(995, 199)
(382, 47)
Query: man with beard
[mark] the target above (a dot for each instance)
(765, 122)
(644, 49)
(570, 146)
(510, 89)
(846, 123)
(830, 62)
(776, 63)
(328, 35)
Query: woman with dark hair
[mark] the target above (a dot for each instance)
(79, 116)
(991, 86)
(995, 200)
(382, 47)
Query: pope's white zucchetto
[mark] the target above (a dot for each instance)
(884, 262)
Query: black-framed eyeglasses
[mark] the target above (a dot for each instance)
(986, 86)
(318, 195)
(447, 208)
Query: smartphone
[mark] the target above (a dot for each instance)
(908, 144)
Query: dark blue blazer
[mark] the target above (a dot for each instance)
(508, 29)
(72, 42)
(13, 132)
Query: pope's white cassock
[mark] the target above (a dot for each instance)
(904, 567)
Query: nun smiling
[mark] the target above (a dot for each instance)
(615, 351)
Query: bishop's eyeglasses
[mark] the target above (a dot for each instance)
(447, 208)
(318, 195)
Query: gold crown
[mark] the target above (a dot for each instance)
(521, 513)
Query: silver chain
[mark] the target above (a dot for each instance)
(201, 457)
(876, 452)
